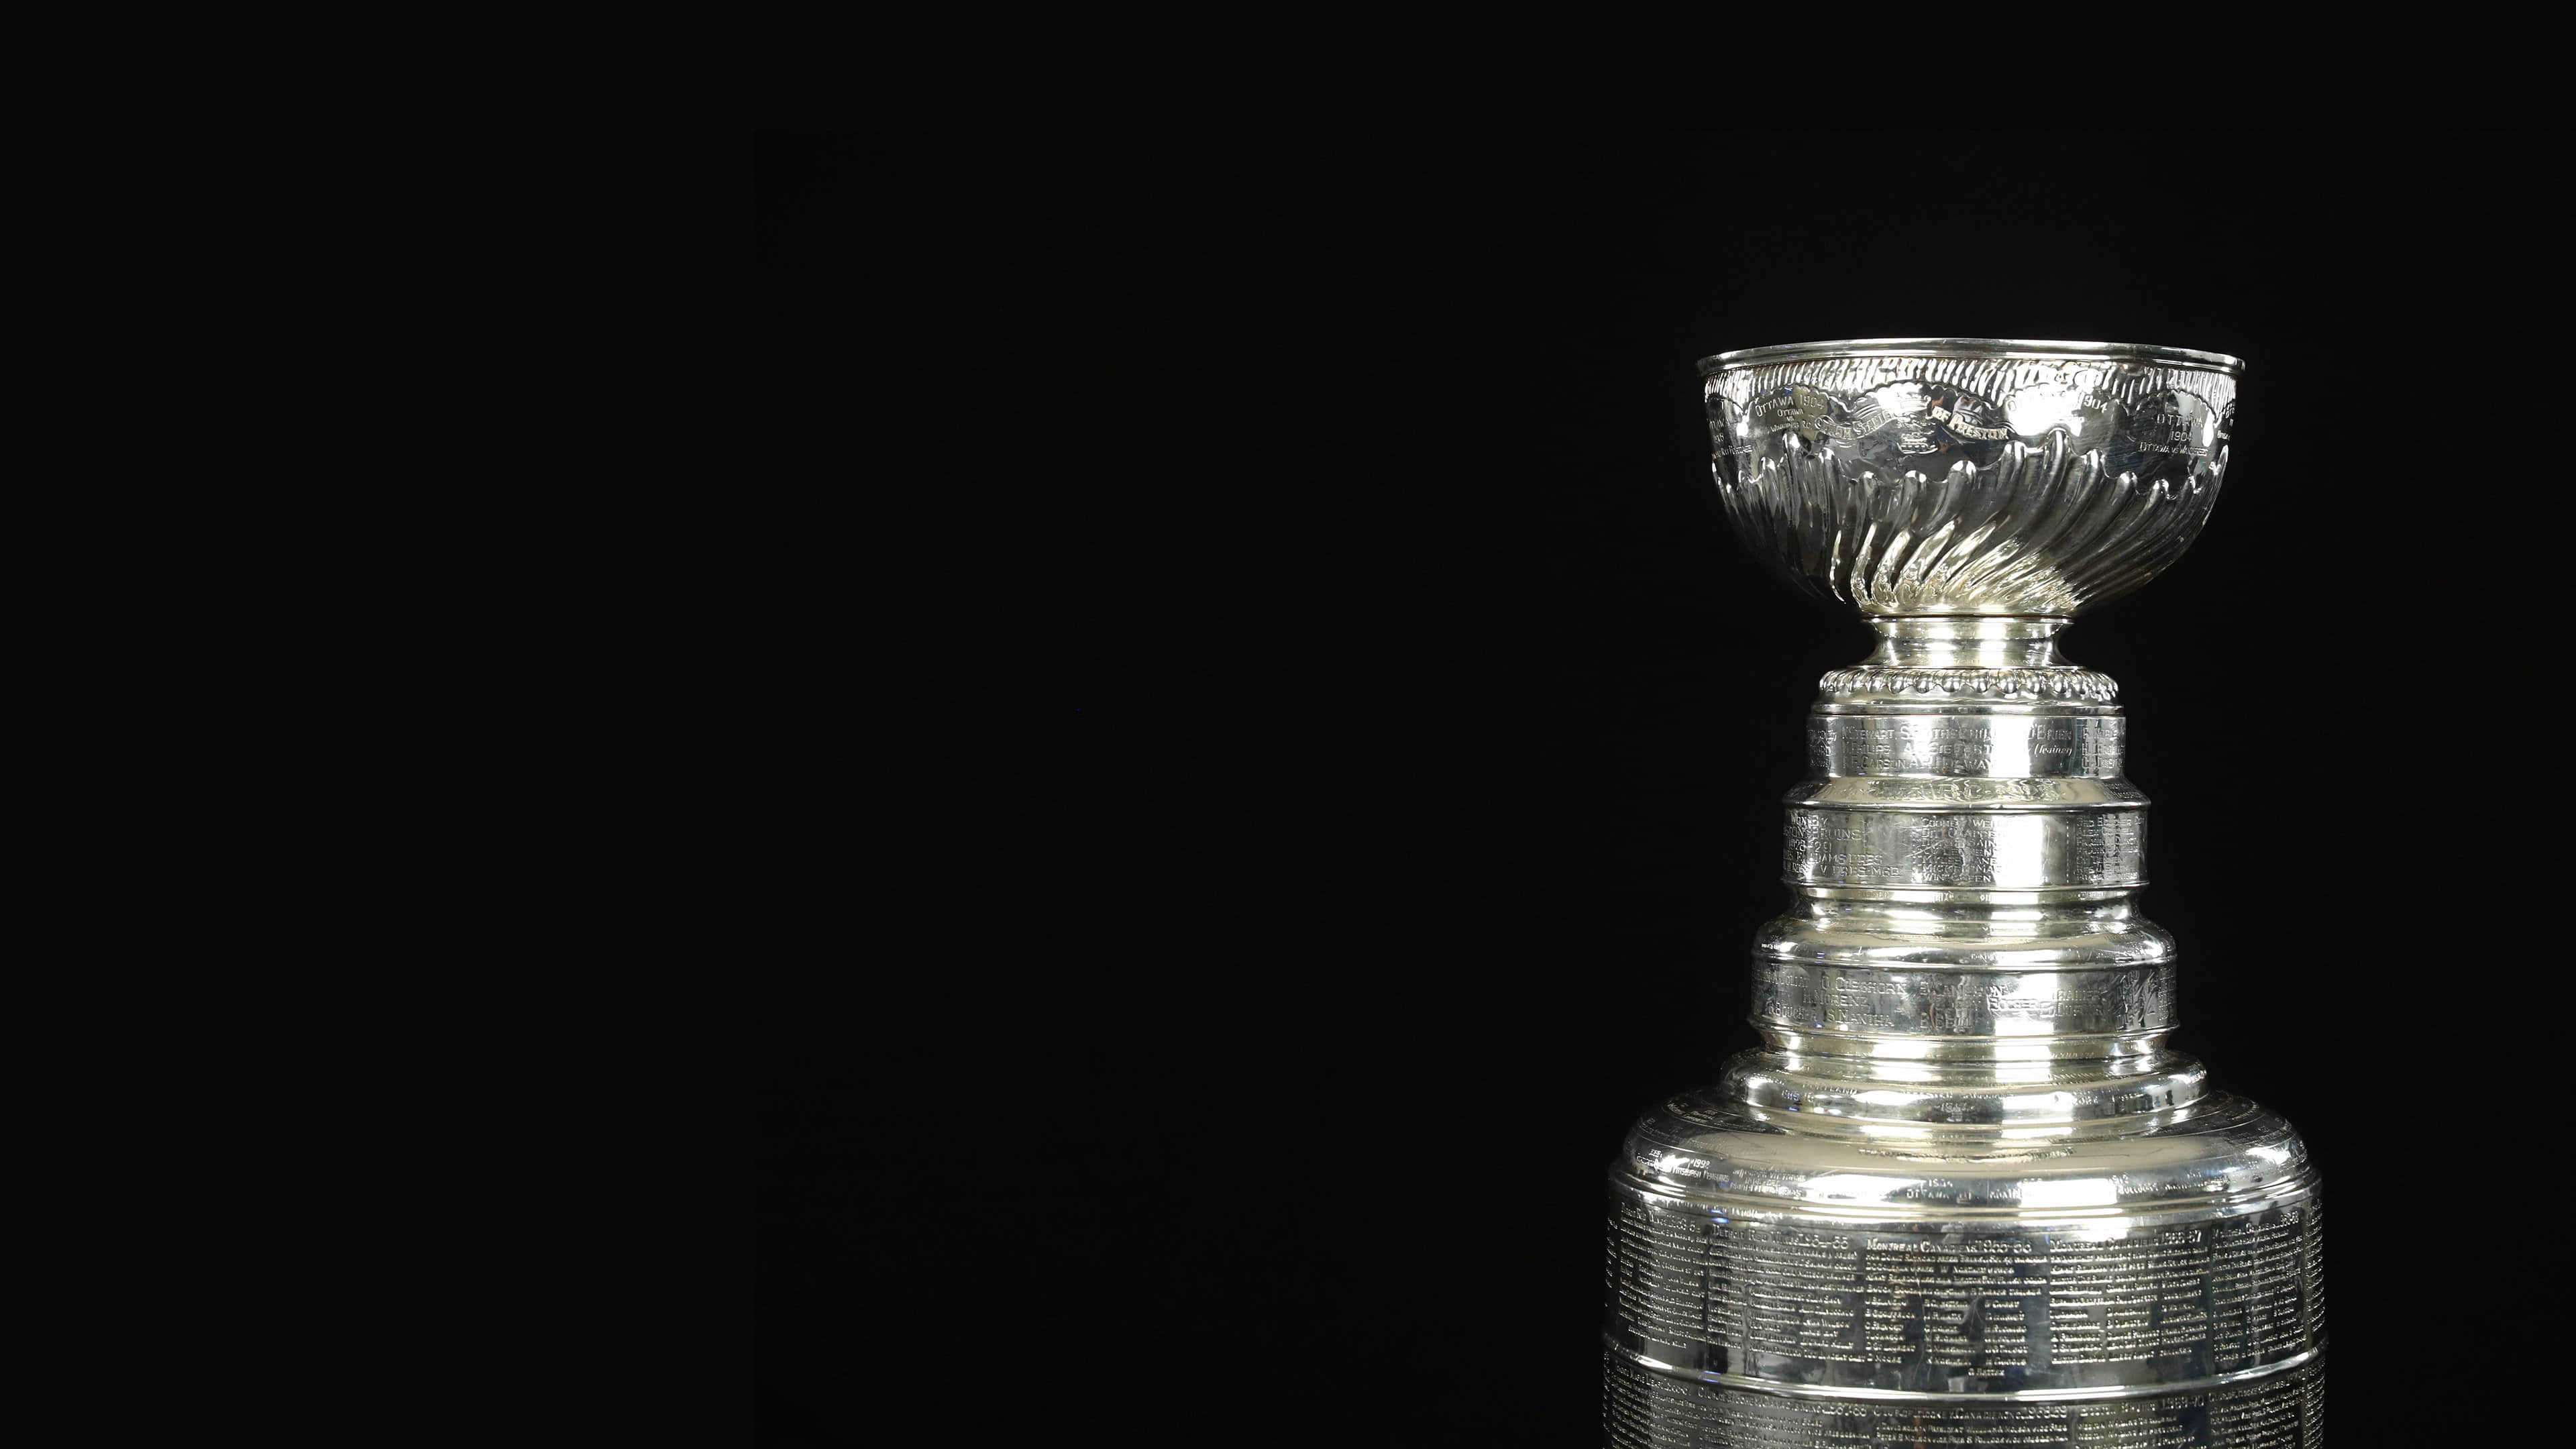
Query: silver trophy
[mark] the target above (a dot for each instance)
(1964, 1192)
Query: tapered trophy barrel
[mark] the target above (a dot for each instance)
(1965, 1190)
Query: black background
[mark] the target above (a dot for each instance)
(1305, 751)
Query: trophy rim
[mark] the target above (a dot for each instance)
(2001, 347)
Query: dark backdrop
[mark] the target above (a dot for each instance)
(1340, 745)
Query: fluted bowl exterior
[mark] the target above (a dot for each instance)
(1962, 476)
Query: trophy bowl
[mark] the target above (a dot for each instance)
(1950, 476)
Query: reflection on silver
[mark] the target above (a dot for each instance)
(1964, 1191)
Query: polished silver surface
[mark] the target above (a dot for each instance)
(1974, 347)
(1945, 477)
(1965, 1191)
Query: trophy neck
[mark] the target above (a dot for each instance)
(1968, 642)
(1965, 946)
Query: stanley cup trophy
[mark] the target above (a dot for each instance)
(1964, 1192)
